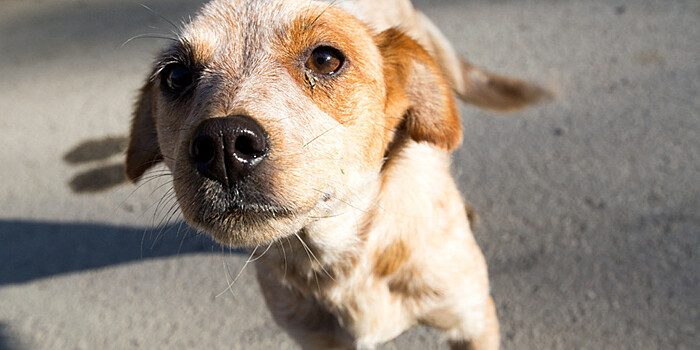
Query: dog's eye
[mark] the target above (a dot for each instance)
(176, 77)
(325, 60)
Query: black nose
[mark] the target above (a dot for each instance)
(229, 148)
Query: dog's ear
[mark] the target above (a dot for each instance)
(418, 99)
(143, 151)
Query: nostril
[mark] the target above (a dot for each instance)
(245, 145)
(250, 146)
(203, 150)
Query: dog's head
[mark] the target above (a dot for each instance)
(272, 114)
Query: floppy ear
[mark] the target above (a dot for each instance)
(419, 100)
(143, 151)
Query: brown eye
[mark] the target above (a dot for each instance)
(325, 60)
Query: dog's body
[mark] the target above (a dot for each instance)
(322, 136)
(408, 258)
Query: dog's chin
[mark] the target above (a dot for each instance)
(244, 228)
(239, 218)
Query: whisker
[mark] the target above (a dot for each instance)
(321, 134)
(314, 256)
(340, 200)
(146, 230)
(160, 202)
(175, 27)
(184, 236)
(328, 216)
(163, 224)
(148, 36)
(164, 227)
(306, 249)
(165, 195)
(332, 3)
(263, 253)
(228, 275)
(147, 180)
(280, 244)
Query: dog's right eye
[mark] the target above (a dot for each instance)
(176, 78)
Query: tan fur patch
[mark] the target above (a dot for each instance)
(336, 94)
(418, 97)
(356, 89)
(391, 259)
(407, 285)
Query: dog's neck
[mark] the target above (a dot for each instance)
(394, 206)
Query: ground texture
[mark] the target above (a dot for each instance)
(589, 205)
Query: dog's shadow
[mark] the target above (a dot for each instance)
(103, 173)
(5, 340)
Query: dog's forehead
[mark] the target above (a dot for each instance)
(242, 29)
(246, 48)
(223, 26)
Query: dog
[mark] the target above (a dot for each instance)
(321, 132)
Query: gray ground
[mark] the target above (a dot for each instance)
(590, 205)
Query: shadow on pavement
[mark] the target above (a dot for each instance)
(32, 250)
(98, 179)
(81, 27)
(103, 174)
(96, 149)
(5, 342)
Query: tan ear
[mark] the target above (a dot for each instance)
(471, 83)
(419, 100)
(143, 151)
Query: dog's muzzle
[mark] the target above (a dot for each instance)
(227, 149)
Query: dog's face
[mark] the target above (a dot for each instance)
(271, 115)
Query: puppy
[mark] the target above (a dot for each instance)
(321, 133)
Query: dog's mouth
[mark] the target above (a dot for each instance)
(233, 182)
(243, 200)
(243, 215)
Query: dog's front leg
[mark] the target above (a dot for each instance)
(488, 340)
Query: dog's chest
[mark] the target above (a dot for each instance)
(367, 307)
(360, 303)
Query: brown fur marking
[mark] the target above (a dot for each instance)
(418, 97)
(407, 285)
(391, 259)
(471, 215)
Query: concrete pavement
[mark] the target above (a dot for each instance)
(589, 206)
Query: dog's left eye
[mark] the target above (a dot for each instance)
(325, 60)
(176, 77)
